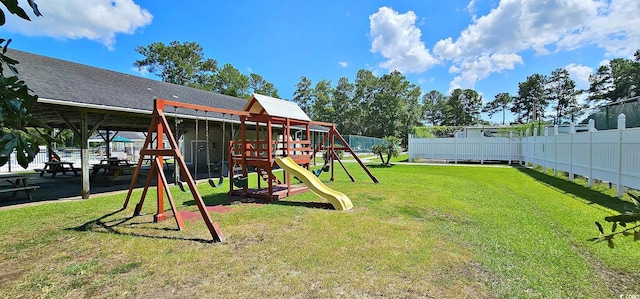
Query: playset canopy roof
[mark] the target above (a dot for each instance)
(261, 104)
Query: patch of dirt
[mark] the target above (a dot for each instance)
(7, 277)
(195, 215)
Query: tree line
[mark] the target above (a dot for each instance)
(390, 105)
(185, 64)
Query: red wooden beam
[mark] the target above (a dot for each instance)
(160, 103)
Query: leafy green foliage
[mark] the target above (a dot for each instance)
(390, 147)
(561, 90)
(621, 221)
(13, 7)
(259, 85)
(463, 108)
(530, 103)
(303, 95)
(500, 103)
(177, 63)
(618, 79)
(346, 111)
(370, 106)
(321, 103)
(16, 102)
(433, 103)
(185, 64)
(435, 131)
(232, 82)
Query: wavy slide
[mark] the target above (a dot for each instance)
(339, 201)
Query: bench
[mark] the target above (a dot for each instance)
(26, 189)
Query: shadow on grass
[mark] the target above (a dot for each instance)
(568, 187)
(222, 199)
(102, 225)
(311, 205)
(380, 165)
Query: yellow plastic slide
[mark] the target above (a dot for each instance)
(339, 201)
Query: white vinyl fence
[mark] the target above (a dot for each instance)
(612, 155)
(465, 149)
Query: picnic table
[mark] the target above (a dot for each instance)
(54, 167)
(16, 183)
(112, 168)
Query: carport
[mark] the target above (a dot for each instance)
(86, 99)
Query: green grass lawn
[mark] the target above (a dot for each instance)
(424, 231)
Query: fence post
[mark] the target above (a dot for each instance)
(510, 147)
(535, 137)
(622, 120)
(455, 147)
(527, 147)
(555, 150)
(572, 130)
(592, 128)
(481, 146)
(544, 149)
(409, 147)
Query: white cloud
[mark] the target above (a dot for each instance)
(616, 28)
(397, 39)
(472, 70)
(579, 74)
(495, 42)
(142, 71)
(98, 20)
(471, 9)
(545, 27)
(517, 25)
(342, 64)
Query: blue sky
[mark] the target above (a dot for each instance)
(487, 45)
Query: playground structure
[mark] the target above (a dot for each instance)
(270, 129)
(282, 129)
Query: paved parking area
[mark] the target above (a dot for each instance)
(65, 187)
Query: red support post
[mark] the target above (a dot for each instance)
(160, 215)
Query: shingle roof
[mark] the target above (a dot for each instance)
(64, 86)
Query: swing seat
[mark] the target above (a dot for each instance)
(181, 186)
(324, 168)
(240, 181)
(218, 184)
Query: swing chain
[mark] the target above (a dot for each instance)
(207, 133)
(195, 159)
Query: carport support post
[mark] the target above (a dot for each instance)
(84, 154)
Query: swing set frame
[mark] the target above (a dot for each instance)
(160, 126)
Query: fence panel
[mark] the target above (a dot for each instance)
(605, 155)
(630, 170)
(66, 155)
(612, 155)
(469, 149)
